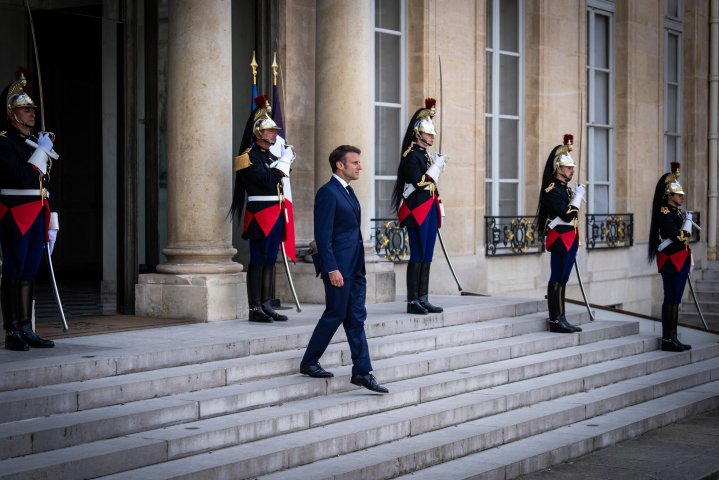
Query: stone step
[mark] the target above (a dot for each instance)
(703, 285)
(77, 396)
(706, 296)
(707, 307)
(419, 436)
(121, 353)
(566, 443)
(694, 318)
(710, 275)
(44, 434)
(712, 265)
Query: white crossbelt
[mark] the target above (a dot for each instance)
(409, 188)
(559, 221)
(262, 198)
(22, 191)
(665, 244)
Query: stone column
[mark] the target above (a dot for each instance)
(343, 116)
(200, 280)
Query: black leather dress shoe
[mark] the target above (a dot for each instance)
(13, 341)
(36, 342)
(367, 381)
(315, 371)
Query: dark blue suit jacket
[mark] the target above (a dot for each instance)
(337, 231)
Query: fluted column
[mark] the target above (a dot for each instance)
(199, 138)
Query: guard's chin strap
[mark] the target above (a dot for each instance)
(421, 139)
(259, 132)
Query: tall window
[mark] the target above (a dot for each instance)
(600, 108)
(388, 97)
(672, 82)
(504, 107)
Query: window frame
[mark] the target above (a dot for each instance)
(403, 93)
(495, 116)
(605, 9)
(673, 26)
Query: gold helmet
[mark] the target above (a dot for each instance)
(262, 120)
(672, 185)
(561, 156)
(17, 96)
(424, 118)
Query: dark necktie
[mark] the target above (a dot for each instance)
(352, 194)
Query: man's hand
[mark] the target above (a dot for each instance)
(579, 189)
(440, 161)
(336, 279)
(689, 215)
(44, 141)
(53, 236)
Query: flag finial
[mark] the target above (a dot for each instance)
(254, 69)
(274, 68)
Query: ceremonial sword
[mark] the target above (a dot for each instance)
(579, 164)
(282, 244)
(441, 118)
(42, 120)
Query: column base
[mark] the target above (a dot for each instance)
(381, 285)
(207, 298)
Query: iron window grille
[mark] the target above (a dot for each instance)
(610, 230)
(390, 240)
(507, 235)
(696, 233)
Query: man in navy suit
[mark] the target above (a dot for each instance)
(340, 261)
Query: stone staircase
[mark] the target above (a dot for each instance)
(707, 290)
(482, 391)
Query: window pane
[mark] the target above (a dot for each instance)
(509, 25)
(672, 7)
(671, 149)
(490, 22)
(508, 85)
(508, 151)
(601, 41)
(601, 199)
(508, 199)
(382, 197)
(488, 90)
(672, 112)
(600, 157)
(387, 67)
(488, 146)
(601, 98)
(387, 14)
(488, 208)
(672, 63)
(386, 140)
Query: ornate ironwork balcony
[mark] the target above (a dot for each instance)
(610, 230)
(390, 240)
(512, 236)
(696, 233)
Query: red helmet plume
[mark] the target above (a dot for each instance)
(429, 104)
(568, 139)
(28, 78)
(260, 100)
(675, 166)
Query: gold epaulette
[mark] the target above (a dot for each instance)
(409, 149)
(549, 188)
(664, 210)
(2, 134)
(243, 161)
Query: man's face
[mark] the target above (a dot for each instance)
(678, 199)
(269, 135)
(352, 168)
(568, 172)
(26, 115)
(427, 139)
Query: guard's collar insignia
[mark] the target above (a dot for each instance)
(664, 210)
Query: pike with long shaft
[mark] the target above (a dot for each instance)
(449, 262)
(696, 302)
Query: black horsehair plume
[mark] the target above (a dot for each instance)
(659, 200)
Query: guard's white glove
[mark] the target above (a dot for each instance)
(53, 236)
(688, 225)
(439, 161)
(579, 192)
(576, 257)
(284, 162)
(44, 142)
(688, 215)
(691, 264)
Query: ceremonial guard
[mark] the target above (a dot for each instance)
(560, 204)
(259, 175)
(28, 218)
(416, 200)
(669, 235)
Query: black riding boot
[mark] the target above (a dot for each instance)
(254, 294)
(9, 300)
(423, 291)
(556, 323)
(26, 288)
(268, 276)
(413, 305)
(669, 336)
(562, 291)
(675, 312)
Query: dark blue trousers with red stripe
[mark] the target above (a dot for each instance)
(562, 264)
(264, 251)
(674, 284)
(21, 256)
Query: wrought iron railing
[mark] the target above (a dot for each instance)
(696, 233)
(610, 230)
(507, 235)
(390, 240)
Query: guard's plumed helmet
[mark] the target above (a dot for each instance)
(17, 94)
(672, 185)
(562, 157)
(424, 118)
(262, 120)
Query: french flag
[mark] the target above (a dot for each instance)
(288, 237)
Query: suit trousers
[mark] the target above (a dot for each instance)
(345, 306)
